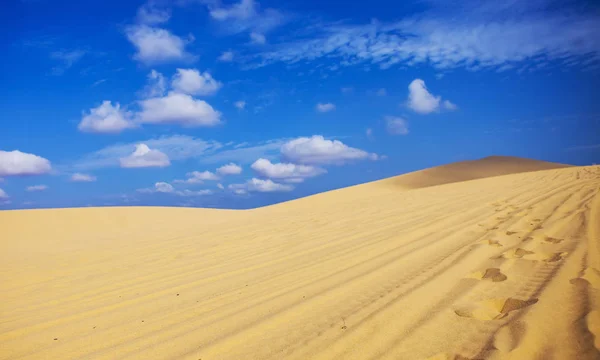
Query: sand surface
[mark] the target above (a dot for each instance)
(504, 267)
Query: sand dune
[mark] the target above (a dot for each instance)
(470, 170)
(498, 267)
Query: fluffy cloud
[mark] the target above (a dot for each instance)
(79, 177)
(258, 185)
(3, 194)
(325, 107)
(181, 109)
(396, 125)
(14, 163)
(156, 45)
(422, 101)
(36, 188)
(198, 177)
(192, 82)
(166, 188)
(240, 104)
(107, 119)
(226, 56)
(143, 156)
(285, 171)
(318, 150)
(229, 169)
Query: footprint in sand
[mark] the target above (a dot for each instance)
(493, 309)
(590, 276)
(491, 274)
(491, 243)
(519, 253)
(552, 240)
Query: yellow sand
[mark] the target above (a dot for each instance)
(368, 272)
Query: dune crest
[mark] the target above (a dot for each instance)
(367, 272)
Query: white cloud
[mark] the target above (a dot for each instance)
(106, 119)
(3, 194)
(143, 156)
(192, 82)
(226, 56)
(396, 125)
(15, 163)
(229, 169)
(220, 186)
(449, 106)
(369, 133)
(258, 185)
(181, 109)
(246, 16)
(79, 177)
(240, 104)
(176, 147)
(381, 92)
(238, 189)
(471, 35)
(157, 85)
(318, 150)
(187, 192)
(198, 177)
(166, 188)
(285, 170)
(156, 45)
(243, 10)
(257, 38)
(420, 99)
(36, 188)
(325, 107)
(151, 15)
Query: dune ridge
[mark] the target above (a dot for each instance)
(455, 270)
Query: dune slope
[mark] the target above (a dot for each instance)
(503, 267)
(470, 170)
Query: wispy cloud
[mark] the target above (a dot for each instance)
(474, 37)
(246, 16)
(584, 147)
(396, 125)
(66, 59)
(176, 147)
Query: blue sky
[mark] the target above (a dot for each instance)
(247, 103)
